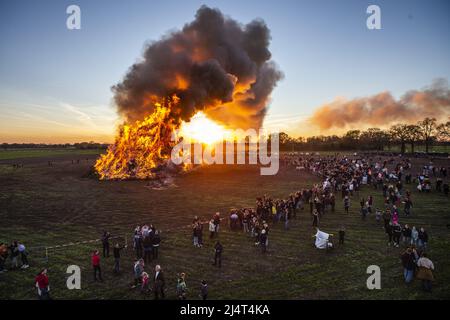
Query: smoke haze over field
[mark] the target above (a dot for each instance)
(383, 109)
(213, 64)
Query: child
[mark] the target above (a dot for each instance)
(144, 285)
(181, 287)
(378, 215)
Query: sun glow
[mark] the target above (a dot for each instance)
(204, 130)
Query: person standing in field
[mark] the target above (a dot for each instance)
(96, 265)
(425, 272)
(396, 233)
(263, 241)
(145, 281)
(23, 256)
(212, 229)
(147, 244)
(138, 270)
(204, 290)
(218, 249)
(341, 235)
(42, 285)
(423, 238)
(3, 256)
(137, 242)
(387, 219)
(378, 215)
(315, 222)
(181, 287)
(159, 284)
(105, 243)
(14, 250)
(116, 252)
(216, 219)
(346, 203)
(414, 236)
(389, 233)
(406, 233)
(409, 258)
(156, 241)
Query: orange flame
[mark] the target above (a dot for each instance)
(140, 148)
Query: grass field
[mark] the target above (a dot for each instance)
(46, 206)
(10, 154)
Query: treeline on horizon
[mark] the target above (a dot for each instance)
(427, 132)
(78, 145)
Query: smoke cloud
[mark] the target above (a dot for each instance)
(383, 109)
(214, 64)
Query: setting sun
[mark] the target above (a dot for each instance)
(202, 129)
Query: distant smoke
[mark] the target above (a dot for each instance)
(213, 64)
(382, 109)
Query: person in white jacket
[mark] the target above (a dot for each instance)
(212, 228)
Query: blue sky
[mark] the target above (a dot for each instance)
(55, 83)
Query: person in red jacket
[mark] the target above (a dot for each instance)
(96, 265)
(42, 285)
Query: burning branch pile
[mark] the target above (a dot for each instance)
(141, 148)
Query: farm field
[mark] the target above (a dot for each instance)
(44, 206)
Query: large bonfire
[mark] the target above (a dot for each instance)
(141, 147)
(214, 66)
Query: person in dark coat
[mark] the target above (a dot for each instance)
(389, 232)
(204, 290)
(409, 258)
(341, 235)
(423, 238)
(218, 249)
(159, 283)
(116, 253)
(315, 222)
(263, 241)
(396, 234)
(156, 240)
(105, 243)
(147, 244)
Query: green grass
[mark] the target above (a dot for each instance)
(45, 206)
(420, 148)
(10, 154)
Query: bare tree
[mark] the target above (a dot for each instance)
(414, 134)
(399, 133)
(427, 129)
(443, 131)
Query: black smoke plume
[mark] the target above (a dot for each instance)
(214, 64)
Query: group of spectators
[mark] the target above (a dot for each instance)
(339, 175)
(17, 253)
